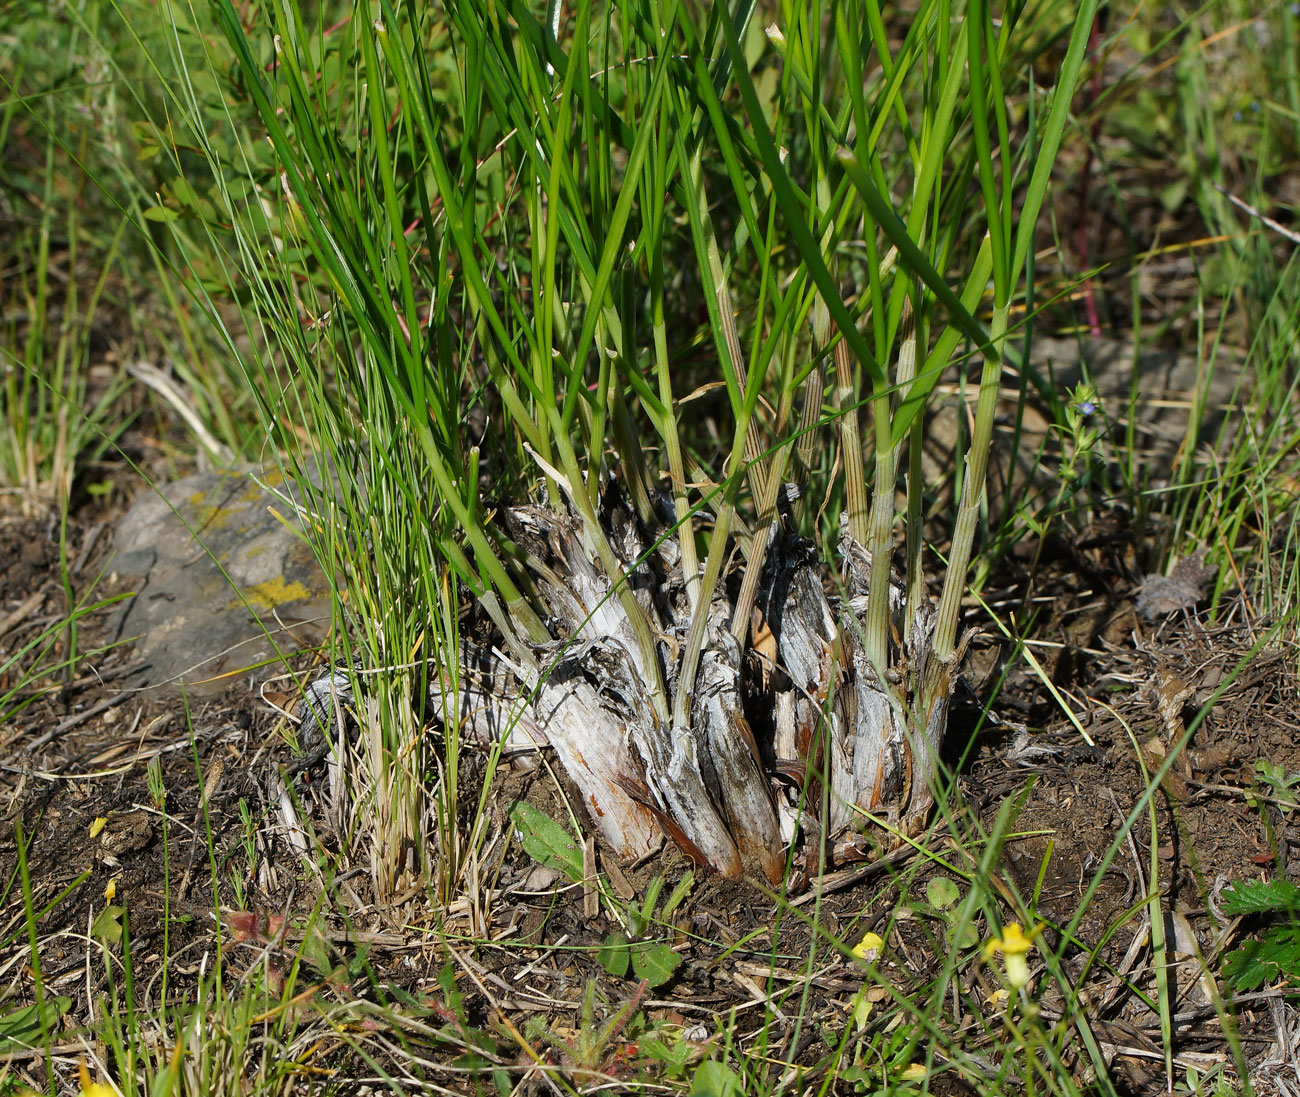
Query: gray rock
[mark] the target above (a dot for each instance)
(221, 585)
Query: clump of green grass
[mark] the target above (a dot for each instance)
(487, 257)
(510, 239)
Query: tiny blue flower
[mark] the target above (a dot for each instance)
(1236, 116)
(1086, 407)
(1295, 9)
(1254, 107)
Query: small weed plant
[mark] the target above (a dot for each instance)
(1272, 956)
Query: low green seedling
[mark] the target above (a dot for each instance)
(1213, 1083)
(1273, 956)
(714, 1079)
(107, 926)
(1278, 784)
(943, 895)
(157, 785)
(672, 1055)
(595, 1048)
(651, 961)
(546, 842)
(881, 1062)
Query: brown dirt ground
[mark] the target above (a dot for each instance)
(80, 752)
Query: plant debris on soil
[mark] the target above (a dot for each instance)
(518, 961)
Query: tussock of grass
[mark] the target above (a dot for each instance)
(473, 256)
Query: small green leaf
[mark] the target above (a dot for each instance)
(184, 192)
(161, 213)
(107, 926)
(451, 992)
(942, 893)
(21, 1029)
(651, 898)
(672, 1054)
(680, 892)
(1273, 957)
(654, 962)
(614, 954)
(545, 841)
(316, 950)
(1259, 897)
(968, 937)
(1173, 195)
(714, 1079)
(636, 923)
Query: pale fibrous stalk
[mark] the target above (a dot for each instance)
(755, 463)
(963, 538)
(855, 477)
(915, 493)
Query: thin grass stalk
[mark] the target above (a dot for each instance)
(694, 645)
(871, 529)
(767, 516)
(814, 388)
(815, 385)
(863, 524)
(770, 487)
(915, 574)
(755, 462)
(1004, 259)
(446, 648)
(1160, 954)
(631, 460)
(667, 423)
(718, 552)
(546, 232)
(855, 477)
(881, 544)
(977, 458)
(906, 371)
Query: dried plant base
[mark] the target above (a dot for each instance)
(840, 736)
(857, 746)
(704, 784)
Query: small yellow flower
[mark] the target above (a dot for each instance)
(869, 947)
(110, 891)
(1014, 944)
(92, 1089)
